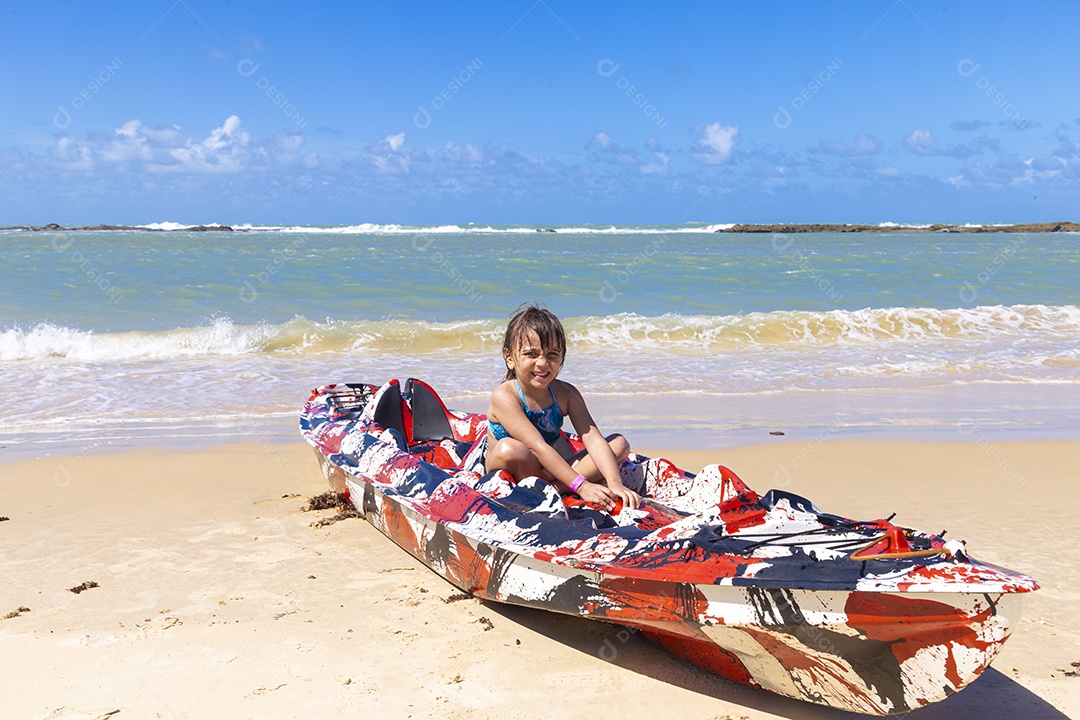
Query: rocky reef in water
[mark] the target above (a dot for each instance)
(53, 227)
(835, 228)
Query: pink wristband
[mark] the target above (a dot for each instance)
(577, 483)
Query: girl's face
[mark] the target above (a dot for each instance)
(534, 365)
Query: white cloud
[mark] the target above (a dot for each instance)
(170, 157)
(225, 150)
(468, 153)
(613, 153)
(164, 137)
(921, 142)
(717, 143)
(228, 148)
(659, 167)
(864, 145)
(601, 139)
(288, 150)
(72, 155)
(289, 143)
(391, 164)
(129, 145)
(1032, 175)
(129, 129)
(388, 158)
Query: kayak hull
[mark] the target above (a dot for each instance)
(885, 646)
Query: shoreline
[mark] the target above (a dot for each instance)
(705, 424)
(213, 584)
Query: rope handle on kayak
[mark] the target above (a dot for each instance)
(894, 537)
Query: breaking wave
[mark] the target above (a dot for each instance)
(1055, 326)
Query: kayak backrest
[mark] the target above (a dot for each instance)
(409, 415)
(428, 413)
(387, 409)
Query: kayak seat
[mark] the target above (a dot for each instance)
(472, 457)
(445, 454)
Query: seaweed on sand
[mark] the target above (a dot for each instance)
(331, 501)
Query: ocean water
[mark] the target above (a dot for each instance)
(678, 336)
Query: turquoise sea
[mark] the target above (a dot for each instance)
(679, 336)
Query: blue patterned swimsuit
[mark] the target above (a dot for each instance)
(548, 421)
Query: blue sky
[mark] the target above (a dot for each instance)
(540, 111)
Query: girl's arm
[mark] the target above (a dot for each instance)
(597, 446)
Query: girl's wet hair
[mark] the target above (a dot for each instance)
(543, 322)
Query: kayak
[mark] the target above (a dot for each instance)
(767, 590)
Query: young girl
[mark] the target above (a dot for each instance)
(527, 410)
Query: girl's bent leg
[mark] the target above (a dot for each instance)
(619, 445)
(514, 457)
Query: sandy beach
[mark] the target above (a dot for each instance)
(216, 597)
(835, 252)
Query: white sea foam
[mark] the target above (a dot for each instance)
(50, 341)
(832, 328)
(169, 225)
(1017, 365)
(1006, 327)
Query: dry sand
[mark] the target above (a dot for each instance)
(216, 598)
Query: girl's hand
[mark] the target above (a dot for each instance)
(607, 497)
(630, 498)
(597, 494)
